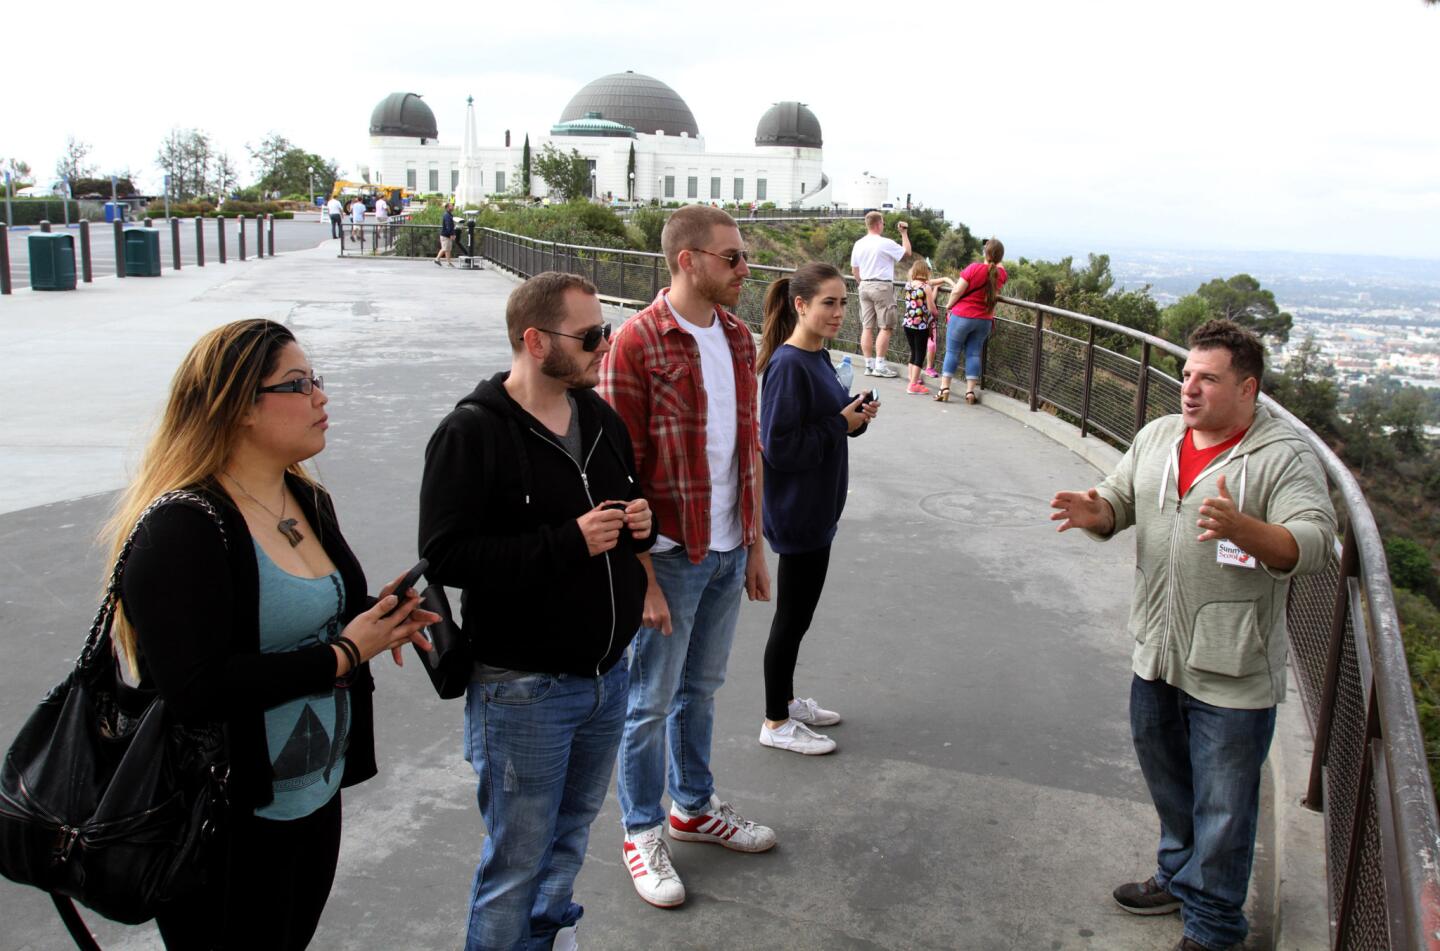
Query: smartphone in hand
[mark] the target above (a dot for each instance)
(406, 583)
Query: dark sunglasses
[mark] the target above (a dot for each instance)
(733, 258)
(304, 385)
(588, 340)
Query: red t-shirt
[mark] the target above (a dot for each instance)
(973, 303)
(1195, 461)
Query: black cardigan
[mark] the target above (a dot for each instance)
(194, 603)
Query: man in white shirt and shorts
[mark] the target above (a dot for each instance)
(873, 261)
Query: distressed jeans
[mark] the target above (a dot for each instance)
(1202, 765)
(673, 679)
(543, 747)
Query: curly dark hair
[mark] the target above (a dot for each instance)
(1247, 353)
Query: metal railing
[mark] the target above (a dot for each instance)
(1369, 773)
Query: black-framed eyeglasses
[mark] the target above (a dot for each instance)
(304, 385)
(589, 340)
(733, 258)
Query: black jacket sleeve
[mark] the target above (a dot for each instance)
(178, 594)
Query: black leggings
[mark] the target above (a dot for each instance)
(798, 582)
(919, 342)
(270, 886)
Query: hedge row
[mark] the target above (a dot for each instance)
(32, 211)
(226, 212)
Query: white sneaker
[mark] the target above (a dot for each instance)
(565, 940)
(869, 369)
(722, 825)
(884, 370)
(647, 856)
(810, 713)
(797, 738)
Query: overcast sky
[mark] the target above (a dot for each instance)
(1305, 125)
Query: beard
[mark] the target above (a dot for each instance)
(566, 369)
(717, 291)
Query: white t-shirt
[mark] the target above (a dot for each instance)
(334, 207)
(876, 256)
(717, 367)
(357, 210)
(382, 210)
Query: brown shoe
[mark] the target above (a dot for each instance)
(1190, 944)
(1146, 898)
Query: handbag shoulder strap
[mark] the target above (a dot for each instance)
(105, 616)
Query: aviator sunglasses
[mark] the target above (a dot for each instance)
(588, 340)
(304, 385)
(733, 258)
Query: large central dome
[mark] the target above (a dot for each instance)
(643, 103)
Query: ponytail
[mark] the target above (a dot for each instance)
(779, 323)
(994, 254)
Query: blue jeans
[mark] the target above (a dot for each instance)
(673, 680)
(1202, 764)
(965, 335)
(543, 747)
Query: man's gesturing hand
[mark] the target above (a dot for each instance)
(601, 528)
(1219, 517)
(1085, 510)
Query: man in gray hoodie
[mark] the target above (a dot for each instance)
(1229, 503)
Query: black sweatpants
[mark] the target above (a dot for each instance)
(919, 341)
(335, 226)
(798, 582)
(270, 885)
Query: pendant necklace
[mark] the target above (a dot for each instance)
(285, 526)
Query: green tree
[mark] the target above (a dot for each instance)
(71, 166)
(1366, 446)
(291, 174)
(266, 156)
(1243, 300)
(20, 174)
(957, 248)
(650, 222)
(1406, 419)
(525, 167)
(1179, 320)
(1307, 388)
(566, 175)
(1410, 565)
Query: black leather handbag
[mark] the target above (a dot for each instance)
(104, 797)
(449, 663)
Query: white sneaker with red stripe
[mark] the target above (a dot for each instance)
(722, 825)
(647, 856)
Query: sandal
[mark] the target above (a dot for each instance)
(943, 395)
(972, 397)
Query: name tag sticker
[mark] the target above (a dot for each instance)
(1229, 553)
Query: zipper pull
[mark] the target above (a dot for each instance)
(64, 845)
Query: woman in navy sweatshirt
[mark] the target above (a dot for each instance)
(805, 417)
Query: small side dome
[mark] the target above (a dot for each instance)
(403, 114)
(789, 124)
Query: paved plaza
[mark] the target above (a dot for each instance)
(984, 796)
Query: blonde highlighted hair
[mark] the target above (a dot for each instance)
(210, 394)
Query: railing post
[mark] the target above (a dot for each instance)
(44, 225)
(1325, 715)
(5, 258)
(119, 249)
(654, 278)
(1142, 391)
(87, 273)
(199, 240)
(270, 228)
(595, 268)
(220, 237)
(622, 293)
(175, 242)
(240, 231)
(1037, 348)
(1089, 380)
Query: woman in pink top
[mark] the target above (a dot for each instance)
(972, 316)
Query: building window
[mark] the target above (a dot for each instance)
(454, 179)
(760, 189)
(669, 186)
(715, 187)
(739, 189)
(499, 183)
(692, 187)
(434, 179)
(410, 179)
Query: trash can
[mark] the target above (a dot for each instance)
(114, 211)
(142, 252)
(52, 262)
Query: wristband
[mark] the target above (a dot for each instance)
(352, 654)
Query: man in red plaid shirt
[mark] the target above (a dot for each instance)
(681, 374)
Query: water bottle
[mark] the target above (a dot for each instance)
(845, 373)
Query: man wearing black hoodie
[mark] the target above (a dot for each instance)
(528, 504)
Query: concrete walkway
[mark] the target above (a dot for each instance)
(985, 794)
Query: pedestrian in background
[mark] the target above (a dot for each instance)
(919, 321)
(872, 261)
(971, 320)
(357, 219)
(336, 211)
(447, 236)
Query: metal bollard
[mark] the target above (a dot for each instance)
(199, 240)
(175, 241)
(4, 258)
(149, 222)
(44, 225)
(119, 249)
(86, 273)
(259, 236)
(240, 230)
(220, 236)
(270, 227)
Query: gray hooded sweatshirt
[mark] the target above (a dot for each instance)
(1217, 631)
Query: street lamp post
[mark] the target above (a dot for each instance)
(311, 171)
(632, 186)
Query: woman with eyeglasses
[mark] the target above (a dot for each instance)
(805, 417)
(267, 629)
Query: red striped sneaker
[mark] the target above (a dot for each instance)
(647, 856)
(722, 825)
